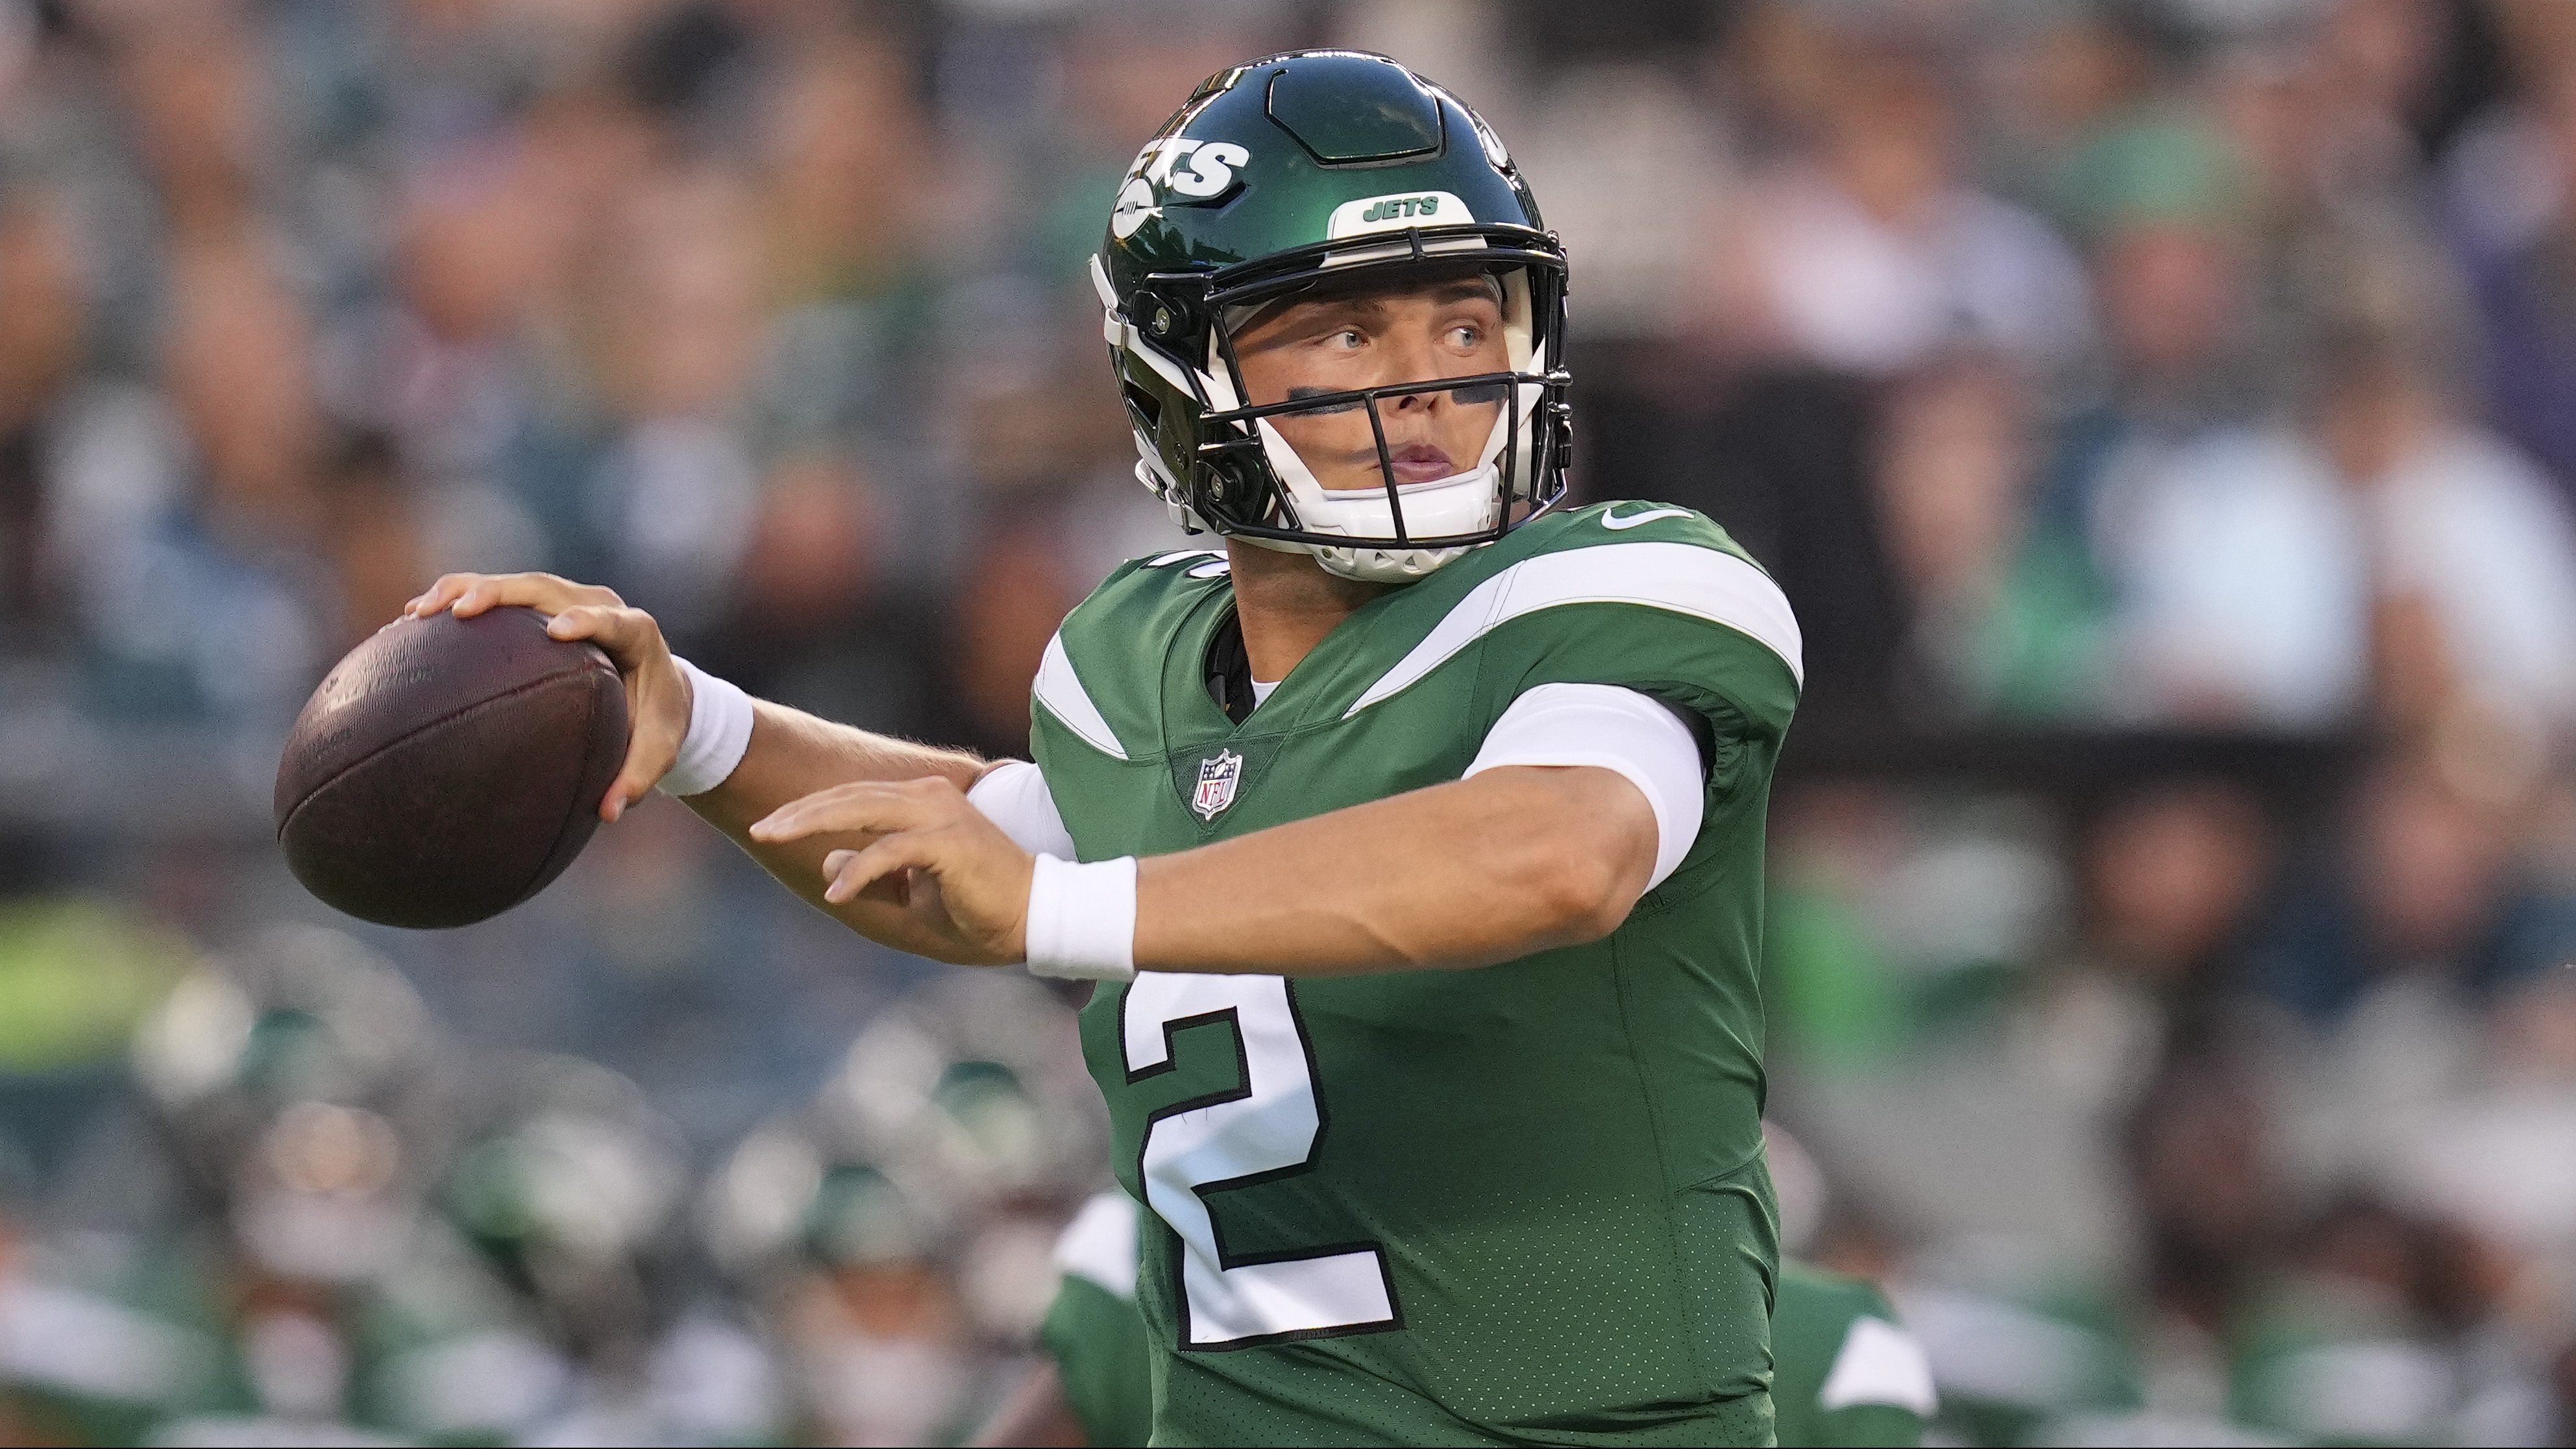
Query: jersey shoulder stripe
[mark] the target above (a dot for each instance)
(1880, 1363)
(1060, 690)
(1102, 669)
(1682, 578)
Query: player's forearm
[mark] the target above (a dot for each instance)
(1559, 857)
(793, 754)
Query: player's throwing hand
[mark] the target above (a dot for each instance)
(963, 882)
(657, 693)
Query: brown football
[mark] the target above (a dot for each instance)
(449, 768)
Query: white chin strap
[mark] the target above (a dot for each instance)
(1469, 502)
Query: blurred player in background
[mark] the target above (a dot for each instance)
(1413, 719)
(1844, 1372)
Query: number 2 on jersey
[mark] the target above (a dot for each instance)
(1264, 1129)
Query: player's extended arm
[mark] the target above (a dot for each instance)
(791, 754)
(1560, 854)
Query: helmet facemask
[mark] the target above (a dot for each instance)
(1228, 467)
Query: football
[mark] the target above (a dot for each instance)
(448, 769)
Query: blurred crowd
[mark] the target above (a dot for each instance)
(2162, 415)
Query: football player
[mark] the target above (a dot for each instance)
(1846, 1371)
(1416, 835)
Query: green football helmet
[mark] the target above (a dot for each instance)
(1272, 178)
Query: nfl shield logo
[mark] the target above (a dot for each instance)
(1217, 779)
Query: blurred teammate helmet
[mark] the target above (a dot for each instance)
(302, 1081)
(1273, 179)
(972, 1082)
(568, 1181)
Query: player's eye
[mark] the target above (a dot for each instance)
(1466, 335)
(1348, 339)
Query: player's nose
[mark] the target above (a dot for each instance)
(1417, 362)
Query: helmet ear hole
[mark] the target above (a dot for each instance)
(1143, 407)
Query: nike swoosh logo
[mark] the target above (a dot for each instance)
(1612, 521)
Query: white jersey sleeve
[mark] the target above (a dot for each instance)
(1642, 738)
(1013, 795)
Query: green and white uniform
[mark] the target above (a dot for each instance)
(1519, 1204)
(1847, 1372)
(1092, 1330)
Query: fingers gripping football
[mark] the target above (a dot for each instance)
(966, 883)
(471, 594)
(657, 694)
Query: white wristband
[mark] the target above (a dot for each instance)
(719, 731)
(1082, 919)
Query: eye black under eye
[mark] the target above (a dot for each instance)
(1300, 394)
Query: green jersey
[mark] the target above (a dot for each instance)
(1092, 1332)
(1522, 1204)
(1847, 1372)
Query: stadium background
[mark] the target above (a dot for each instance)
(2163, 417)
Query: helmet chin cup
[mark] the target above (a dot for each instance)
(1462, 503)
(1382, 565)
